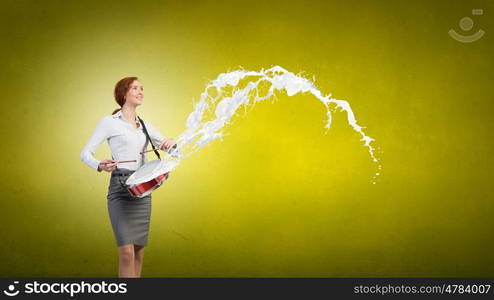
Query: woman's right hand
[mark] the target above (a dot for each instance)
(107, 165)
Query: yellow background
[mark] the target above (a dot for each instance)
(277, 197)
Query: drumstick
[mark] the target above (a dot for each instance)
(174, 146)
(148, 151)
(121, 161)
(125, 161)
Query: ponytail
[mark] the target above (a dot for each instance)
(121, 88)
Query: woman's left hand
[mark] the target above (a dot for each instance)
(167, 143)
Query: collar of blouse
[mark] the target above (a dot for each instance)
(120, 115)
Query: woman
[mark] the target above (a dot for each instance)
(130, 216)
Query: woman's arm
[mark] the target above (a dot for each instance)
(158, 140)
(100, 134)
(154, 134)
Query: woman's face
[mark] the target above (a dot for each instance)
(135, 94)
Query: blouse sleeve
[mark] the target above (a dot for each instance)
(154, 134)
(99, 135)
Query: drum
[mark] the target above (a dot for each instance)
(151, 175)
(146, 179)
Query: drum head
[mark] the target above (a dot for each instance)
(150, 170)
(145, 173)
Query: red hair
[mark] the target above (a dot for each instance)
(121, 88)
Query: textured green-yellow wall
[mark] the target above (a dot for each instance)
(276, 197)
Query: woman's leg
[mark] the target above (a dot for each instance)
(126, 261)
(138, 257)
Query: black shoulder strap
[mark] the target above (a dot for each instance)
(147, 135)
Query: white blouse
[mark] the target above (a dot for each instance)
(125, 141)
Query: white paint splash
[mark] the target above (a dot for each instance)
(222, 97)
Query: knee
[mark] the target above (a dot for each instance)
(126, 253)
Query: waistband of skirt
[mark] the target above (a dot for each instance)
(122, 172)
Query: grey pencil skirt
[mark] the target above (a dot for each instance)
(130, 216)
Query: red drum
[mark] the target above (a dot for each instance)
(146, 179)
